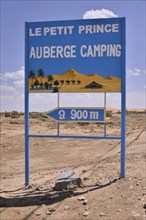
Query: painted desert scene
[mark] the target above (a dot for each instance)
(72, 81)
(101, 194)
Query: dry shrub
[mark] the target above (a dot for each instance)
(15, 114)
(37, 115)
(83, 123)
(7, 114)
(108, 113)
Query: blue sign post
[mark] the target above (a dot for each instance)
(79, 56)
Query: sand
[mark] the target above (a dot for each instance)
(97, 162)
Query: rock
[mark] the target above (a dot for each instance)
(81, 198)
(43, 205)
(137, 184)
(144, 206)
(38, 189)
(85, 202)
(84, 171)
(52, 209)
(86, 214)
(66, 179)
(28, 187)
(102, 214)
(136, 215)
(66, 207)
(119, 210)
(38, 214)
(131, 187)
(130, 178)
(54, 196)
(48, 212)
(111, 197)
(85, 178)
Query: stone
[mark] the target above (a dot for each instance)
(131, 187)
(102, 214)
(67, 178)
(84, 171)
(85, 214)
(66, 207)
(119, 210)
(38, 214)
(52, 209)
(81, 198)
(136, 215)
(54, 196)
(85, 202)
(48, 213)
(85, 178)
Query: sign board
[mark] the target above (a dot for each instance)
(75, 56)
(77, 114)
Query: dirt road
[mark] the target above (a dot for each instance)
(102, 196)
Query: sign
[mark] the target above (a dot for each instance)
(75, 56)
(77, 114)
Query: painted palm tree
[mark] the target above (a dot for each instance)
(50, 78)
(41, 74)
(67, 82)
(32, 76)
(79, 82)
(73, 82)
(46, 84)
(36, 83)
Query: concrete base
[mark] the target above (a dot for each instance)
(67, 179)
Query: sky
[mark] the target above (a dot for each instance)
(14, 14)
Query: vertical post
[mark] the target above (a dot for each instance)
(123, 103)
(105, 114)
(58, 103)
(26, 109)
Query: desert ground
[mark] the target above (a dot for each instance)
(103, 195)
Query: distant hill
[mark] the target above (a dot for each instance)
(113, 78)
(72, 74)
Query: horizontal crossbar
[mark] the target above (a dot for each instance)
(83, 137)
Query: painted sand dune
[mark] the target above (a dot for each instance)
(73, 81)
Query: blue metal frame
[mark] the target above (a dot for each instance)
(26, 108)
(72, 136)
(123, 101)
(123, 111)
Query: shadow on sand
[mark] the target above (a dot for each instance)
(44, 197)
